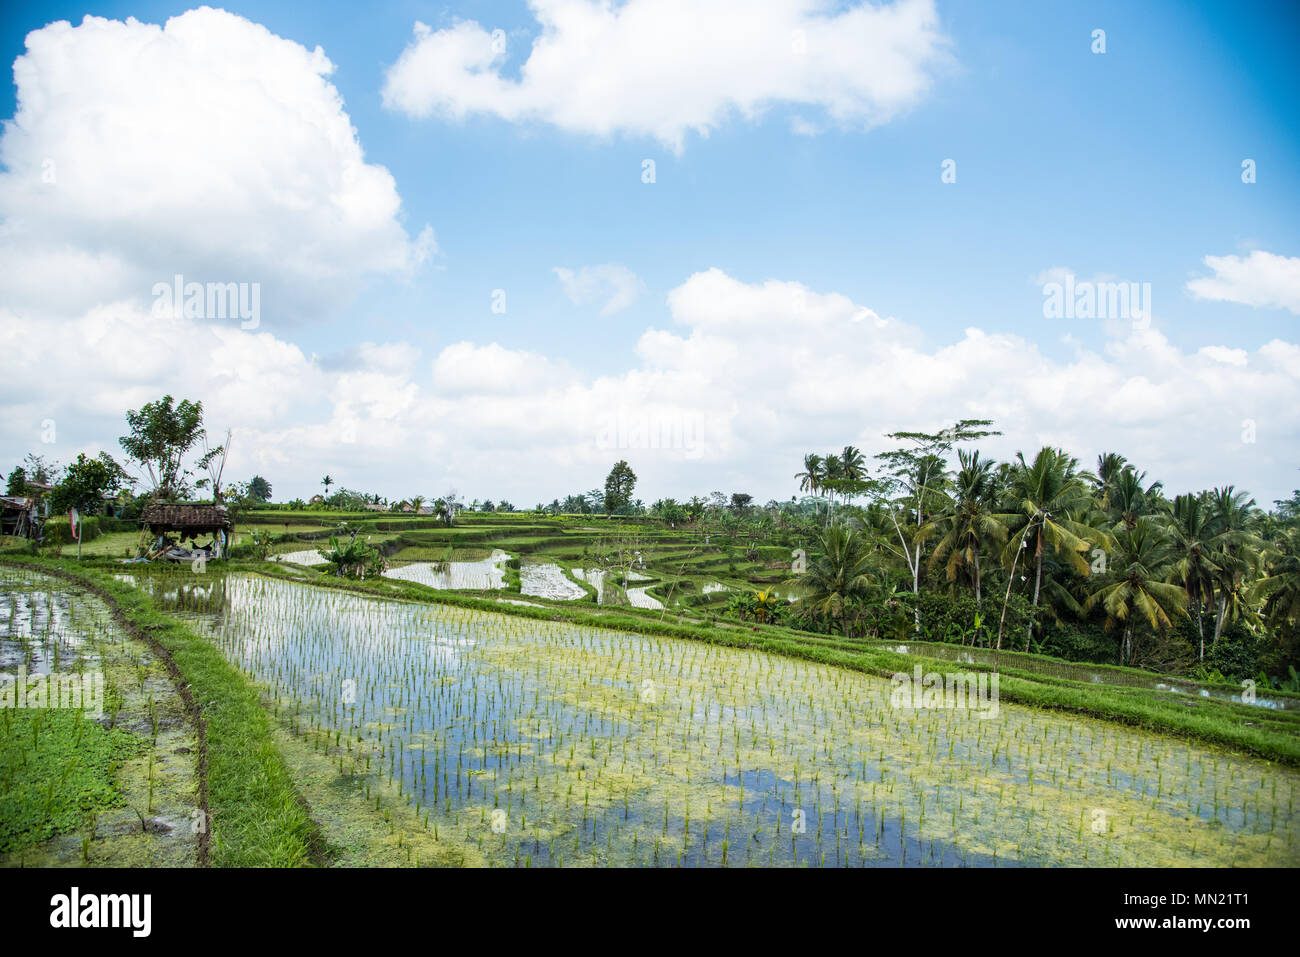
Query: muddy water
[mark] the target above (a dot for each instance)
(308, 557)
(612, 594)
(488, 573)
(547, 580)
(544, 743)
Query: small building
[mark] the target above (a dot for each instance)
(18, 515)
(170, 524)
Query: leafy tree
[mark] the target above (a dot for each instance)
(1135, 585)
(838, 577)
(915, 474)
(354, 559)
(1128, 499)
(1191, 542)
(1289, 509)
(810, 479)
(1109, 465)
(17, 484)
(259, 489)
(1043, 496)
(967, 523)
(1236, 552)
(1280, 586)
(160, 434)
(35, 469)
(618, 486)
(86, 481)
(669, 510)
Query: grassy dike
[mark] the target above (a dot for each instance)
(1271, 735)
(257, 818)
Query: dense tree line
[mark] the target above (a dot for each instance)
(1192, 581)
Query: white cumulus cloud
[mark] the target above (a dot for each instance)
(1260, 279)
(663, 68)
(207, 147)
(745, 377)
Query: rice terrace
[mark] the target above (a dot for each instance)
(709, 683)
(632, 441)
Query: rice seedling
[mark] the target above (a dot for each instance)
(547, 743)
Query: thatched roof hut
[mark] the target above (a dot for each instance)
(188, 520)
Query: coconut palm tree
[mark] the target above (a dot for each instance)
(967, 523)
(1109, 465)
(1280, 586)
(810, 479)
(1042, 500)
(1236, 553)
(1127, 498)
(832, 475)
(854, 463)
(1136, 589)
(838, 577)
(1191, 539)
(327, 482)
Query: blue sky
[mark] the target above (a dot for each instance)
(1123, 165)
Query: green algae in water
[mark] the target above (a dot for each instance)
(55, 768)
(75, 789)
(544, 743)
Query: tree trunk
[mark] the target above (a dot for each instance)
(916, 594)
(1038, 581)
(1218, 621)
(1200, 627)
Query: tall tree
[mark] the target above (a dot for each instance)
(967, 523)
(618, 486)
(86, 481)
(837, 577)
(1236, 551)
(1280, 585)
(259, 489)
(810, 479)
(915, 474)
(1109, 465)
(1134, 588)
(1191, 542)
(1128, 498)
(832, 475)
(1041, 500)
(161, 433)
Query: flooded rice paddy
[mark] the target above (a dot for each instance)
(610, 593)
(531, 743)
(488, 573)
(145, 804)
(547, 580)
(1084, 672)
(309, 556)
